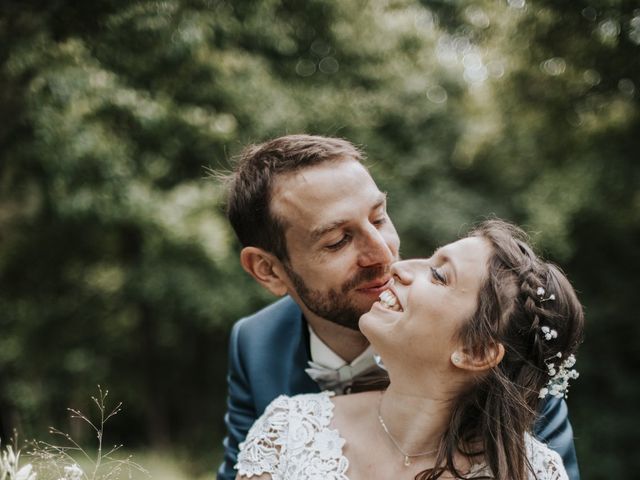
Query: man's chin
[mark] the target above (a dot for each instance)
(351, 322)
(338, 310)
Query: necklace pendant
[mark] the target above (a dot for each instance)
(407, 462)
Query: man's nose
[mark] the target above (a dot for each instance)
(375, 250)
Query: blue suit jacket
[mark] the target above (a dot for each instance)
(268, 353)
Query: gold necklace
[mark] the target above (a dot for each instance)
(407, 456)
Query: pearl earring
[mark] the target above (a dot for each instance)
(456, 358)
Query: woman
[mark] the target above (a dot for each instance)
(472, 339)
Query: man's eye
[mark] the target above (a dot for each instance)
(440, 278)
(339, 244)
(380, 221)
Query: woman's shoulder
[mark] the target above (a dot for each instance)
(307, 403)
(545, 462)
(324, 404)
(285, 412)
(291, 431)
(285, 409)
(353, 408)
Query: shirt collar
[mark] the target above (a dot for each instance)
(323, 355)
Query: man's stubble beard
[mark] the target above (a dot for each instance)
(335, 305)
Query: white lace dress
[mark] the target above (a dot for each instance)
(292, 441)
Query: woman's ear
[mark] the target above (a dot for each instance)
(488, 358)
(265, 268)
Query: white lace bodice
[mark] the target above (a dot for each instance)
(292, 441)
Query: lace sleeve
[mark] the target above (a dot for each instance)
(260, 452)
(547, 464)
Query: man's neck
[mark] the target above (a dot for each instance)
(345, 342)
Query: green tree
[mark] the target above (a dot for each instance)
(117, 266)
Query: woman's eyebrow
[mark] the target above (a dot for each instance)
(447, 259)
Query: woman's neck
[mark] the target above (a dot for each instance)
(415, 420)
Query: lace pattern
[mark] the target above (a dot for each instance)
(546, 463)
(292, 441)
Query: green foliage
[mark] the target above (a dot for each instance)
(117, 266)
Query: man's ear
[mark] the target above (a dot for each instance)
(490, 356)
(265, 268)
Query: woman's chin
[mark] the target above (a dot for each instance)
(379, 317)
(385, 313)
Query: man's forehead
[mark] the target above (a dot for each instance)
(328, 181)
(342, 167)
(330, 192)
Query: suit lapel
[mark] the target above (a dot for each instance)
(300, 380)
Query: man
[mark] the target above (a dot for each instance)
(314, 230)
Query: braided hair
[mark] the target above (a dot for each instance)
(520, 295)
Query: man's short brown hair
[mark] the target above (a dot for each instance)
(251, 183)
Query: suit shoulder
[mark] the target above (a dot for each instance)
(278, 316)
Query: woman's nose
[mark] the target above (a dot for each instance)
(402, 271)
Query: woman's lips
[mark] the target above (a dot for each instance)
(389, 299)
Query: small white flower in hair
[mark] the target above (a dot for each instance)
(541, 292)
(549, 333)
(570, 361)
(560, 375)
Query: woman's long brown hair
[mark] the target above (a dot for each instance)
(490, 418)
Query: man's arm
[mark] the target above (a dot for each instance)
(240, 409)
(554, 429)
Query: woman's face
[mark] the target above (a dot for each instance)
(430, 299)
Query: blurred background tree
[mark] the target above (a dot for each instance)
(117, 266)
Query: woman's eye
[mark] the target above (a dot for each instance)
(440, 278)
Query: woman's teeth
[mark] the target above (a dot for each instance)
(389, 300)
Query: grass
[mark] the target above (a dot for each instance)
(167, 466)
(51, 460)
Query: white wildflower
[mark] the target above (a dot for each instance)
(25, 473)
(73, 472)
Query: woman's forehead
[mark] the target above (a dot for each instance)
(470, 256)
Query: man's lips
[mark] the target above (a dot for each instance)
(375, 287)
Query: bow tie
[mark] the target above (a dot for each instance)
(341, 380)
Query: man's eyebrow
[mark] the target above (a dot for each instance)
(318, 232)
(382, 200)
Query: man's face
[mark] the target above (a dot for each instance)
(340, 239)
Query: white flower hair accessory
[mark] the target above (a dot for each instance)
(541, 292)
(549, 333)
(558, 384)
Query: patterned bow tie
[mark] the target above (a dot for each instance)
(342, 379)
